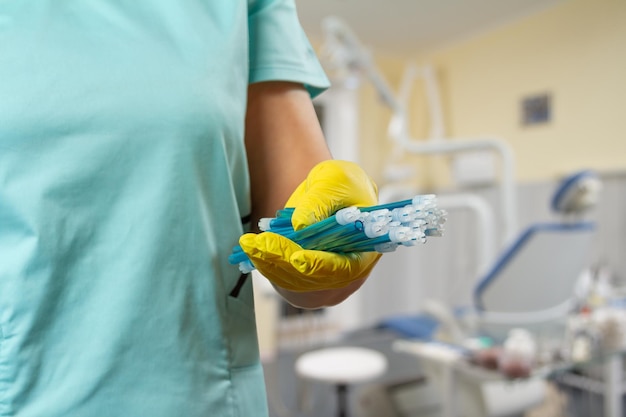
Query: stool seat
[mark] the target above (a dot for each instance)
(341, 365)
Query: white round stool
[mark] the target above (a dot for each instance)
(341, 366)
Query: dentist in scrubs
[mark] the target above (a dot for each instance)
(139, 142)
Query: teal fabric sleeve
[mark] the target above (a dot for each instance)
(279, 49)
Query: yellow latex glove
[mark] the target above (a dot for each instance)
(330, 186)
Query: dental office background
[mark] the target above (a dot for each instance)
(565, 61)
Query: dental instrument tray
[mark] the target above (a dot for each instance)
(381, 228)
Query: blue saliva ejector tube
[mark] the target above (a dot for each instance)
(308, 236)
(381, 228)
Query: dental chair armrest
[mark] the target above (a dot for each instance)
(531, 317)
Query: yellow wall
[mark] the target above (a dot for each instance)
(575, 51)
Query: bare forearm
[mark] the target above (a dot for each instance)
(284, 142)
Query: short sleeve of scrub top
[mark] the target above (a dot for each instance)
(123, 187)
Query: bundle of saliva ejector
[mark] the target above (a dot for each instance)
(382, 228)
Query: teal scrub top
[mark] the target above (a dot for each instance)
(123, 188)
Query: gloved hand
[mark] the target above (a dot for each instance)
(330, 186)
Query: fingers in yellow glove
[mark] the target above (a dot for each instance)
(330, 186)
(289, 266)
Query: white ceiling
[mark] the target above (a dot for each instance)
(408, 26)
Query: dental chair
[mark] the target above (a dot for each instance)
(530, 285)
(541, 267)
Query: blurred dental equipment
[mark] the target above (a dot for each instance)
(529, 329)
(381, 228)
(347, 59)
(578, 194)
